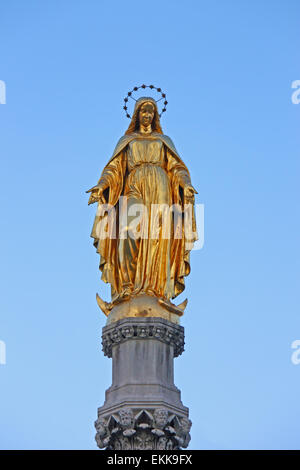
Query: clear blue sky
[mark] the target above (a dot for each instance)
(227, 68)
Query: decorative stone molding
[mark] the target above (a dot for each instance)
(131, 429)
(140, 328)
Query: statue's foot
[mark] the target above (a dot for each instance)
(125, 295)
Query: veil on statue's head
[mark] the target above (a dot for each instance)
(134, 123)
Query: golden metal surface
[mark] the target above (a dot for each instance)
(144, 272)
(141, 306)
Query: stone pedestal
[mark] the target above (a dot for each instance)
(142, 408)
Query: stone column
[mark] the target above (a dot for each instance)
(142, 408)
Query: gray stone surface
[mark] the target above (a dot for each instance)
(131, 429)
(142, 351)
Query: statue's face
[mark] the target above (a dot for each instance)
(126, 417)
(100, 425)
(146, 114)
(161, 417)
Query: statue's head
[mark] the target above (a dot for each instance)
(126, 417)
(161, 417)
(100, 426)
(145, 113)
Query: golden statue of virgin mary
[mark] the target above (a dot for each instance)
(145, 269)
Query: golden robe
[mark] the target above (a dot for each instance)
(147, 170)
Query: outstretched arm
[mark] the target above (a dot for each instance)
(112, 178)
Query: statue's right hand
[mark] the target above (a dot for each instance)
(96, 194)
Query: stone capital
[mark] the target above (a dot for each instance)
(143, 329)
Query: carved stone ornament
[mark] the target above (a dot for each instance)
(154, 328)
(143, 430)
